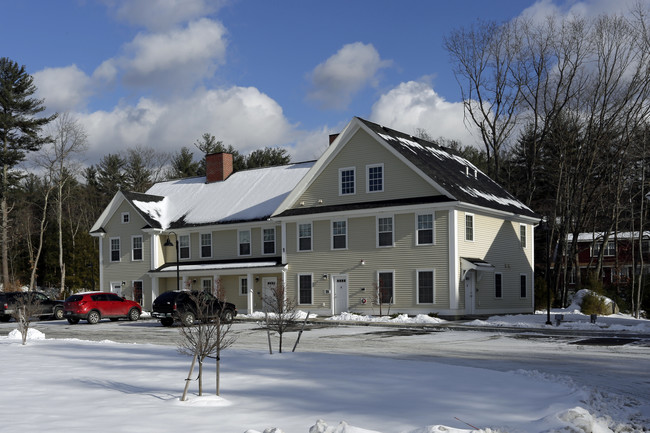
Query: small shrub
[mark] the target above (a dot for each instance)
(434, 315)
(394, 315)
(594, 304)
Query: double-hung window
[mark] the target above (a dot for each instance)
(375, 178)
(385, 231)
(206, 245)
(126, 217)
(136, 248)
(244, 242)
(385, 284)
(522, 235)
(469, 227)
(498, 287)
(206, 285)
(184, 246)
(424, 229)
(115, 250)
(305, 295)
(339, 235)
(243, 286)
(268, 241)
(425, 287)
(304, 237)
(347, 180)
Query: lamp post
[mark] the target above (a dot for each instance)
(169, 243)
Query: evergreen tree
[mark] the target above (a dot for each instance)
(268, 157)
(110, 175)
(19, 133)
(183, 165)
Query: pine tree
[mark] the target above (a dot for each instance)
(19, 133)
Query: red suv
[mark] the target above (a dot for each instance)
(95, 306)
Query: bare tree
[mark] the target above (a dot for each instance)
(208, 338)
(25, 308)
(281, 313)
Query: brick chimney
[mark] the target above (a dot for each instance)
(218, 166)
(333, 137)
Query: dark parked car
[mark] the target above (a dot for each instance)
(188, 306)
(95, 306)
(37, 303)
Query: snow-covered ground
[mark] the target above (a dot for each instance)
(74, 385)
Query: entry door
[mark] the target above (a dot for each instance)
(340, 294)
(470, 292)
(268, 285)
(116, 287)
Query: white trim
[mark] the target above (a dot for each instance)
(128, 217)
(189, 247)
(454, 261)
(392, 243)
(141, 248)
(201, 234)
(240, 243)
(212, 285)
(523, 239)
(275, 240)
(110, 249)
(239, 286)
(383, 177)
(311, 277)
(433, 227)
(101, 263)
(311, 236)
(332, 234)
(354, 181)
(283, 236)
(386, 271)
(417, 286)
(468, 214)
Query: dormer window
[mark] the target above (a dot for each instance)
(125, 218)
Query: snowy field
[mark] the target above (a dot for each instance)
(74, 386)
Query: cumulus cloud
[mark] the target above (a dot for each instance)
(415, 105)
(241, 116)
(335, 81)
(159, 15)
(588, 8)
(63, 89)
(177, 59)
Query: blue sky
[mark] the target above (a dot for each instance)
(254, 73)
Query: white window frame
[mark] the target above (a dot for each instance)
(243, 291)
(201, 237)
(392, 232)
(264, 241)
(311, 287)
(433, 228)
(473, 233)
(523, 235)
(354, 180)
(311, 236)
(119, 249)
(500, 296)
(125, 217)
(386, 271)
(188, 247)
(345, 235)
(133, 238)
(203, 285)
(433, 285)
(240, 243)
(368, 167)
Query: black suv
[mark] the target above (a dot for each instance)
(40, 305)
(183, 306)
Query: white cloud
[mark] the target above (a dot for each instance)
(414, 105)
(588, 9)
(63, 89)
(353, 67)
(241, 116)
(160, 15)
(175, 60)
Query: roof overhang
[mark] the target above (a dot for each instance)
(472, 264)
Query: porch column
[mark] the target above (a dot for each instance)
(155, 289)
(249, 295)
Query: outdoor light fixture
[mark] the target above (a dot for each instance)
(363, 262)
(169, 243)
(324, 276)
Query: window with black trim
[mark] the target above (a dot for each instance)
(385, 281)
(523, 292)
(243, 286)
(305, 289)
(498, 288)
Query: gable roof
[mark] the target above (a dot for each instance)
(454, 176)
(250, 195)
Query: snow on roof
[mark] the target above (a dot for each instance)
(599, 236)
(248, 195)
(213, 266)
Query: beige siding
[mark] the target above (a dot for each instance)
(404, 258)
(497, 241)
(362, 150)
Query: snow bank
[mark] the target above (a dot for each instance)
(32, 334)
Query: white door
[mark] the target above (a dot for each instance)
(340, 294)
(470, 292)
(116, 287)
(268, 286)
